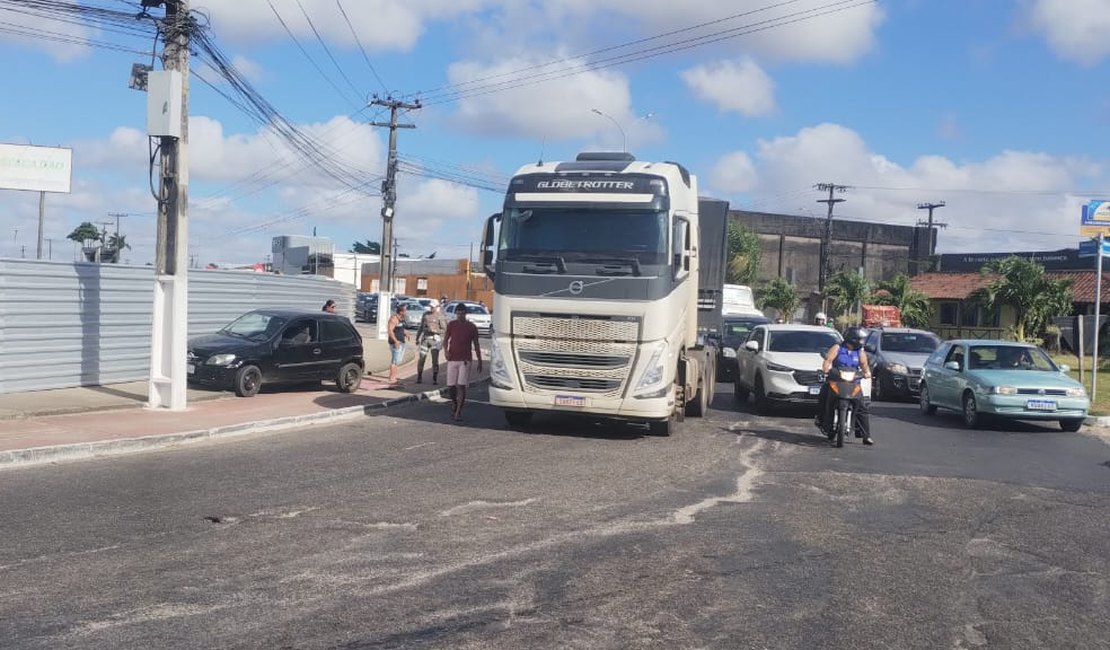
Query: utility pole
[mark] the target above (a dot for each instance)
(389, 201)
(50, 243)
(168, 345)
(826, 244)
(118, 216)
(103, 240)
(42, 220)
(932, 245)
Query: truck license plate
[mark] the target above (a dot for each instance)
(1041, 405)
(569, 400)
(814, 390)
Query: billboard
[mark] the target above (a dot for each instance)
(39, 169)
(1096, 219)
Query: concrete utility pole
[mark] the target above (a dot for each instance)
(389, 201)
(168, 347)
(932, 247)
(826, 244)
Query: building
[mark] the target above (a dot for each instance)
(457, 279)
(300, 255)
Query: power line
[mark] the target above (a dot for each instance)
(308, 56)
(327, 50)
(360, 47)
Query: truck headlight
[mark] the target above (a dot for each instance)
(220, 359)
(498, 371)
(656, 369)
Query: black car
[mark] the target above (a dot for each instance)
(897, 356)
(275, 346)
(734, 332)
(366, 307)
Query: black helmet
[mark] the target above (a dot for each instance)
(853, 335)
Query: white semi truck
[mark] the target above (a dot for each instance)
(608, 276)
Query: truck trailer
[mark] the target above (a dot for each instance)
(608, 276)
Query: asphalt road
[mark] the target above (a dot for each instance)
(405, 530)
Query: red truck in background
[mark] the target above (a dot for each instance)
(881, 316)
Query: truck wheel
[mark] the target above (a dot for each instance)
(662, 428)
(518, 418)
(248, 381)
(698, 406)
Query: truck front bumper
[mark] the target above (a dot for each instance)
(630, 408)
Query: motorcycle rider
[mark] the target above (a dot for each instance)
(849, 354)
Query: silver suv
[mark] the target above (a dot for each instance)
(897, 355)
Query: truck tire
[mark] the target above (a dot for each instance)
(698, 406)
(662, 428)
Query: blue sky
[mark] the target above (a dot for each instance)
(995, 106)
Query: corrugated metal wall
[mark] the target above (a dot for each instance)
(75, 324)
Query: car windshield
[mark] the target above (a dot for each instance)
(585, 233)
(1009, 357)
(734, 328)
(475, 309)
(802, 341)
(254, 325)
(912, 343)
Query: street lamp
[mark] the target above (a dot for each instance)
(624, 138)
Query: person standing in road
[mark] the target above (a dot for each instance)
(429, 338)
(396, 330)
(460, 338)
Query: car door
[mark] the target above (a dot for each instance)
(338, 344)
(296, 359)
(747, 360)
(944, 389)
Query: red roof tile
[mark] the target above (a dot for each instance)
(1083, 284)
(949, 286)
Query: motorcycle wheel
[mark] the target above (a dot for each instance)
(841, 427)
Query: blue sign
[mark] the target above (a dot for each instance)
(1096, 219)
(1089, 248)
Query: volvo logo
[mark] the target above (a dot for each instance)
(576, 287)
(1041, 391)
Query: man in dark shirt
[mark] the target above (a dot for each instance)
(460, 338)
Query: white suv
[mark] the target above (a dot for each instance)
(782, 364)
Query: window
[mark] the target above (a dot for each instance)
(301, 332)
(681, 242)
(910, 342)
(949, 313)
(802, 341)
(957, 355)
(335, 331)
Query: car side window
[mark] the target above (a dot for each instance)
(872, 342)
(333, 330)
(300, 332)
(957, 355)
(757, 336)
(936, 357)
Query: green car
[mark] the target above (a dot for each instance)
(1001, 379)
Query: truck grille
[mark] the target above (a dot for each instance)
(588, 354)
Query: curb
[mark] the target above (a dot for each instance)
(1098, 421)
(83, 450)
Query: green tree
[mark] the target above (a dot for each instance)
(916, 308)
(113, 248)
(847, 289)
(86, 232)
(781, 296)
(744, 254)
(366, 248)
(1022, 285)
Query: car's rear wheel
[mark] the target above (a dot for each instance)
(248, 381)
(349, 378)
(927, 407)
(1071, 425)
(972, 420)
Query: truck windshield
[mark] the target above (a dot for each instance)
(573, 232)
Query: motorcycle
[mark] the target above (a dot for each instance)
(844, 383)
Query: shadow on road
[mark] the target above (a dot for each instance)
(814, 439)
(951, 420)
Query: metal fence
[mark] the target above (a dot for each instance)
(66, 324)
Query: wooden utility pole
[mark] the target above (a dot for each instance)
(826, 244)
(931, 247)
(389, 186)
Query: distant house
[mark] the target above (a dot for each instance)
(954, 316)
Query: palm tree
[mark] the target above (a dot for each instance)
(744, 254)
(115, 245)
(781, 296)
(847, 289)
(367, 248)
(1022, 285)
(916, 308)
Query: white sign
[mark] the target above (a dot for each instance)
(39, 169)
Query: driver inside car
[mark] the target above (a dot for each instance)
(850, 355)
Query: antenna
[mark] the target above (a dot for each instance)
(543, 145)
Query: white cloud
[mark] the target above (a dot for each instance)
(557, 109)
(734, 174)
(1012, 201)
(740, 86)
(250, 69)
(30, 30)
(1075, 29)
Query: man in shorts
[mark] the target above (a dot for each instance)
(461, 337)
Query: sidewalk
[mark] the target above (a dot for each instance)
(47, 426)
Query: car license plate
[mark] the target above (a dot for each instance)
(1041, 405)
(814, 390)
(190, 368)
(569, 400)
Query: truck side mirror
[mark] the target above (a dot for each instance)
(487, 245)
